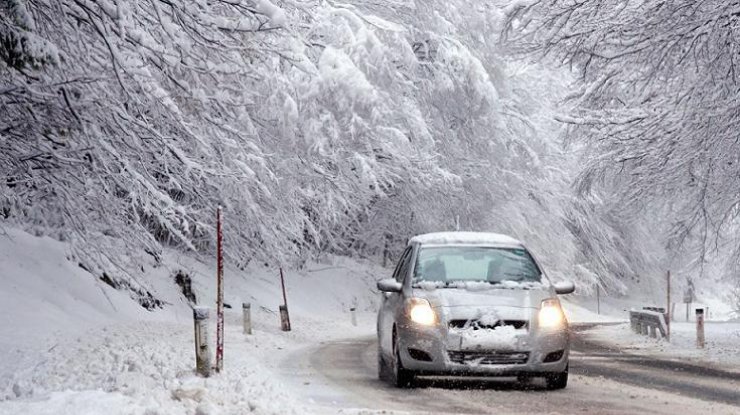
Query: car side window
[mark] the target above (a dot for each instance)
(403, 266)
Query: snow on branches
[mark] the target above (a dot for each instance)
(318, 128)
(658, 108)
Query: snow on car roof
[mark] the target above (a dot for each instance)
(472, 238)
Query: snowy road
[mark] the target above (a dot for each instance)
(341, 376)
(701, 382)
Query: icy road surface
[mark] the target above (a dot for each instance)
(340, 376)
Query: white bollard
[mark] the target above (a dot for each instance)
(699, 328)
(247, 313)
(202, 353)
(353, 315)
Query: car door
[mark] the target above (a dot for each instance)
(391, 303)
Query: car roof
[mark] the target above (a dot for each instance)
(465, 238)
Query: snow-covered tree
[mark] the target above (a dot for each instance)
(319, 127)
(657, 107)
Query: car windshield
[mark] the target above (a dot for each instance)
(447, 264)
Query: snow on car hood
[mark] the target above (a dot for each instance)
(484, 295)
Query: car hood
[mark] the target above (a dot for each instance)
(450, 298)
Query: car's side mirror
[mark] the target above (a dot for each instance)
(564, 287)
(389, 285)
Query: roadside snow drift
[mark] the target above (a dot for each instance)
(71, 344)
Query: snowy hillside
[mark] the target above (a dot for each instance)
(73, 345)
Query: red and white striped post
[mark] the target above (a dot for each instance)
(219, 294)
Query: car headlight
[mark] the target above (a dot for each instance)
(421, 312)
(551, 314)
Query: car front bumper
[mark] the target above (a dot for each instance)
(435, 351)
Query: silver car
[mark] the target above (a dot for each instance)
(471, 304)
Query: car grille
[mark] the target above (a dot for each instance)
(478, 358)
(475, 324)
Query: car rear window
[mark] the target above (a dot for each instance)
(475, 263)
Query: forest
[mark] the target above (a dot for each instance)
(604, 134)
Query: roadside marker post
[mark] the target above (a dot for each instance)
(219, 294)
(284, 316)
(353, 315)
(247, 317)
(699, 328)
(202, 352)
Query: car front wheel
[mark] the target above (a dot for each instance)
(400, 377)
(557, 380)
(382, 366)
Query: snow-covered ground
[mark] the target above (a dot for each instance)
(722, 348)
(578, 314)
(70, 344)
(722, 343)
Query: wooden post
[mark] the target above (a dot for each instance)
(247, 317)
(282, 284)
(284, 316)
(598, 299)
(202, 353)
(699, 328)
(219, 294)
(385, 250)
(668, 310)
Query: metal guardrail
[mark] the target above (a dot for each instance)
(649, 321)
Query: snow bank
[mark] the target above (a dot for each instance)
(578, 314)
(70, 344)
(721, 349)
(45, 293)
